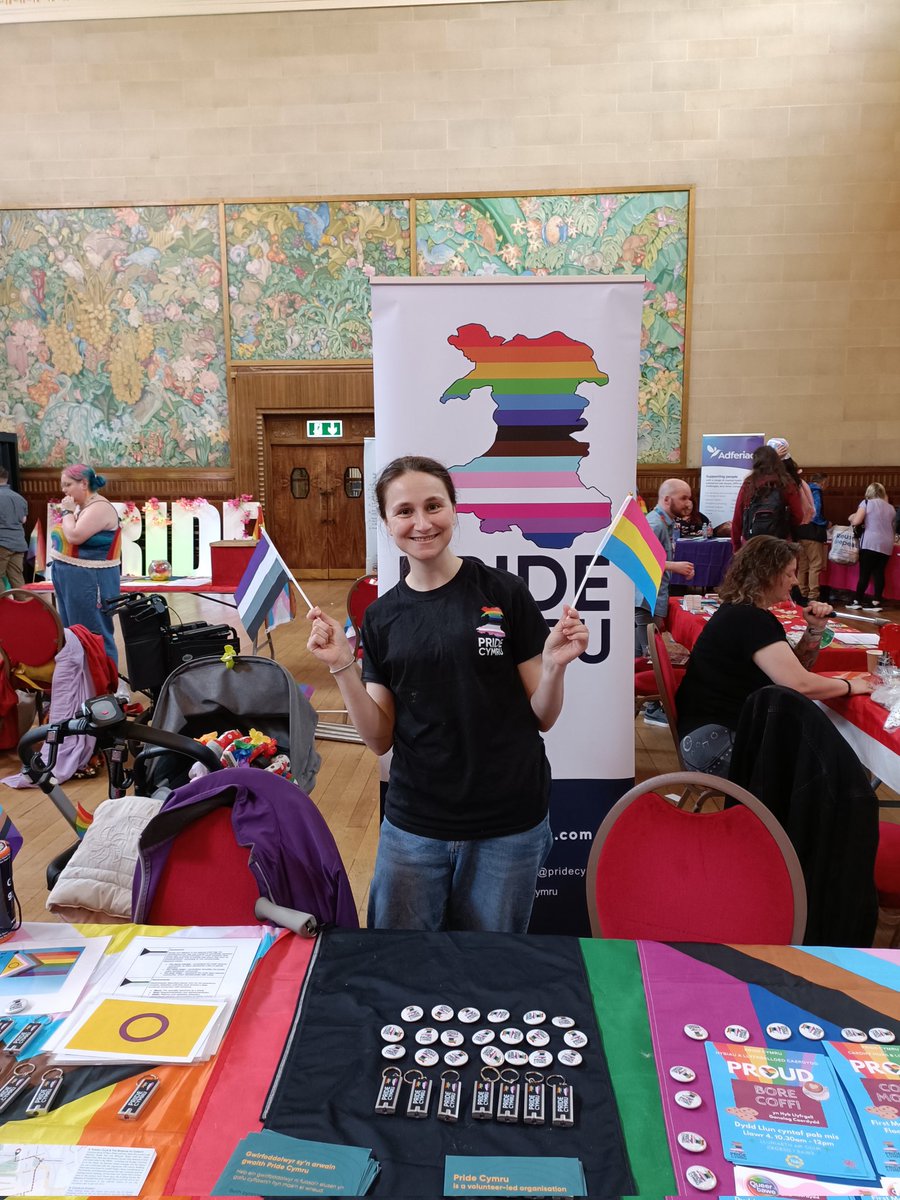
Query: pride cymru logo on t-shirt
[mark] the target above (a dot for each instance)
(491, 632)
(534, 383)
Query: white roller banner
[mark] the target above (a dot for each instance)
(526, 389)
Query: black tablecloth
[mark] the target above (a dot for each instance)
(330, 1073)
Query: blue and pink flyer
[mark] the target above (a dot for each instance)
(785, 1110)
(871, 1076)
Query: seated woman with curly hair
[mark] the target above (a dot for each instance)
(744, 647)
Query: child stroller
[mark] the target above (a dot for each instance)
(238, 846)
(206, 696)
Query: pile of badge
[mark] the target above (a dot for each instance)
(498, 1092)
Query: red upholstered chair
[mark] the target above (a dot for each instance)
(206, 880)
(667, 677)
(662, 872)
(31, 636)
(360, 596)
(645, 688)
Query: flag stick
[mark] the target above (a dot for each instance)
(607, 533)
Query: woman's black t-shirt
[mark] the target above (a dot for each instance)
(468, 760)
(721, 673)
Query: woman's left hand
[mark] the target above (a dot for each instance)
(567, 639)
(817, 614)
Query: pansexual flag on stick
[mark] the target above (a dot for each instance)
(631, 545)
(262, 582)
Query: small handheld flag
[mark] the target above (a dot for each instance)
(631, 545)
(264, 579)
(37, 549)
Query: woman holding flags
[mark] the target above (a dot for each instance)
(459, 679)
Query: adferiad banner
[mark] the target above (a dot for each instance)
(526, 389)
(724, 464)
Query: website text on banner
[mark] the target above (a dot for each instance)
(724, 463)
(526, 389)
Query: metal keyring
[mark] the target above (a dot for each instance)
(52, 1073)
(535, 1077)
(384, 1074)
(25, 1068)
(451, 1074)
(411, 1075)
(509, 1075)
(493, 1077)
(553, 1078)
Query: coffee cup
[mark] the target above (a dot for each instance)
(872, 657)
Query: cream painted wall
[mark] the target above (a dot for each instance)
(784, 115)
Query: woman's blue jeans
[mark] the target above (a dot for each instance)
(79, 591)
(482, 884)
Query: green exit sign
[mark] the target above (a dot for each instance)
(324, 429)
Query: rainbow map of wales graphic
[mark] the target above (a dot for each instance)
(533, 382)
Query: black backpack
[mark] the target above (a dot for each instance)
(766, 513)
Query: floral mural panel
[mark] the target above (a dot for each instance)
(608, 234)
(112, 340)
(298, 275)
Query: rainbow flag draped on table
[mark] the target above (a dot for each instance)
(631, 545)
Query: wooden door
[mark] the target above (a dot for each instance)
(345, 519)
(315, 510)
(298, 508)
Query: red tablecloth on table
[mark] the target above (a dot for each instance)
(197, 586)
(686, 627)
(861, 722)
(844, 578)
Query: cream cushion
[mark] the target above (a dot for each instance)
(95, 884)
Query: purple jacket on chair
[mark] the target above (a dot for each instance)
(293, 855)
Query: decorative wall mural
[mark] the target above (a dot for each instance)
(610, 234)
(112, 325)
(298, 275)
(112, 333)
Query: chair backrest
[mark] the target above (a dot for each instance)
(363, 591)
(31, 631)
(206, 880)
(663, 873)
(666, 683)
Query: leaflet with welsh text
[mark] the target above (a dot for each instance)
(871, 1076)
(785, 1110)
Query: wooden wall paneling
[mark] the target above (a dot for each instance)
(263, 391)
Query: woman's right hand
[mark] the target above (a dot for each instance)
(327, 641)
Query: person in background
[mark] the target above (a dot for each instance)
(86, 570)
(673, 503)
(769, 501)
(13, 513)
(876, 516)
(812, 538)
(744, 647)
(693, 523)
(460, 677)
